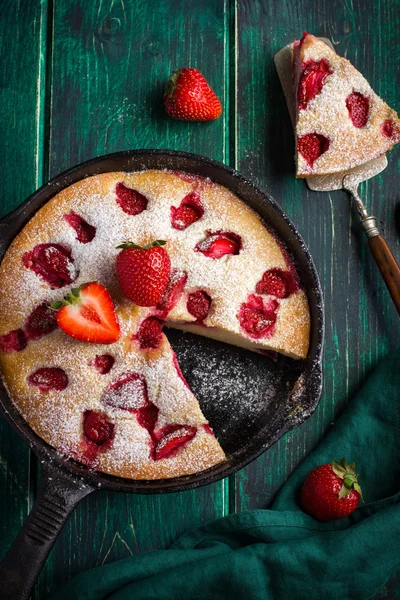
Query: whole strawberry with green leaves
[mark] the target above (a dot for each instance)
(331, 491)
(143, 271)
(188, 96)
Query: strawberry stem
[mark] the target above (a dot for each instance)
(347, 472)
(73, 297)
(129, 244)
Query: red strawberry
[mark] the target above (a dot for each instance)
(143, 272)
(313, 77)
(49, 378)
(103, 363)
(256, 317)
(149, 334)
(51, 262)
(219, 243)
(189, 211)
(87, 314)
(174, 289)
(188, 96)
(331, 491)
(198, 304)
(14, 341)
(358, 107)
(311, 146)
(174, 438)
(389, 129)
(84, 231)
(131, 201)
(97, 427)
(128, 392)
(278, 283)
(41, 321)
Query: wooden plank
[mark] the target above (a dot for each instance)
(22, 28)
(361, 323)
(109, 65)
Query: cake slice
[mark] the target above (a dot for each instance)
(340, 121)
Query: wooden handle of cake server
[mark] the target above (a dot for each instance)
(384, 258)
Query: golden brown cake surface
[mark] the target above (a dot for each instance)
(242, 312)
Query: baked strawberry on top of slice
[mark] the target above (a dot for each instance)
(87, 314)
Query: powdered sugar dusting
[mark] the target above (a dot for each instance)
(57, 415)
(327, 114)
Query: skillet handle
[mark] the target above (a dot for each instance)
(56, 499)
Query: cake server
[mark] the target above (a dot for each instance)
(349, 181)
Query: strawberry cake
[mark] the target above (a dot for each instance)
(90, 370)
(340, 121)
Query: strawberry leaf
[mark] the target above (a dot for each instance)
(129, 244)
(344, 491)
(338, 469)
(57, 304)
(358, 489)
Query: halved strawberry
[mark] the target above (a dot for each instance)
(188, 212)
(174, 289)
(311, 146)
(174, 438)
(87, 314)
(313, 77)
(219, 243)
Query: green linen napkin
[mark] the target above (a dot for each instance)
(282, 552)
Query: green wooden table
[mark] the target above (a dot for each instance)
(80, 78)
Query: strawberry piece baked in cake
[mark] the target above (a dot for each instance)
(84, 296)
(340, 121)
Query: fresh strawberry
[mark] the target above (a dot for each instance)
(311, 146)
(188, 96)
(143, 272)
(331, 491)
(87, 314)
(358, 107)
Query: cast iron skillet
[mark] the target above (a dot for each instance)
(281, 394)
